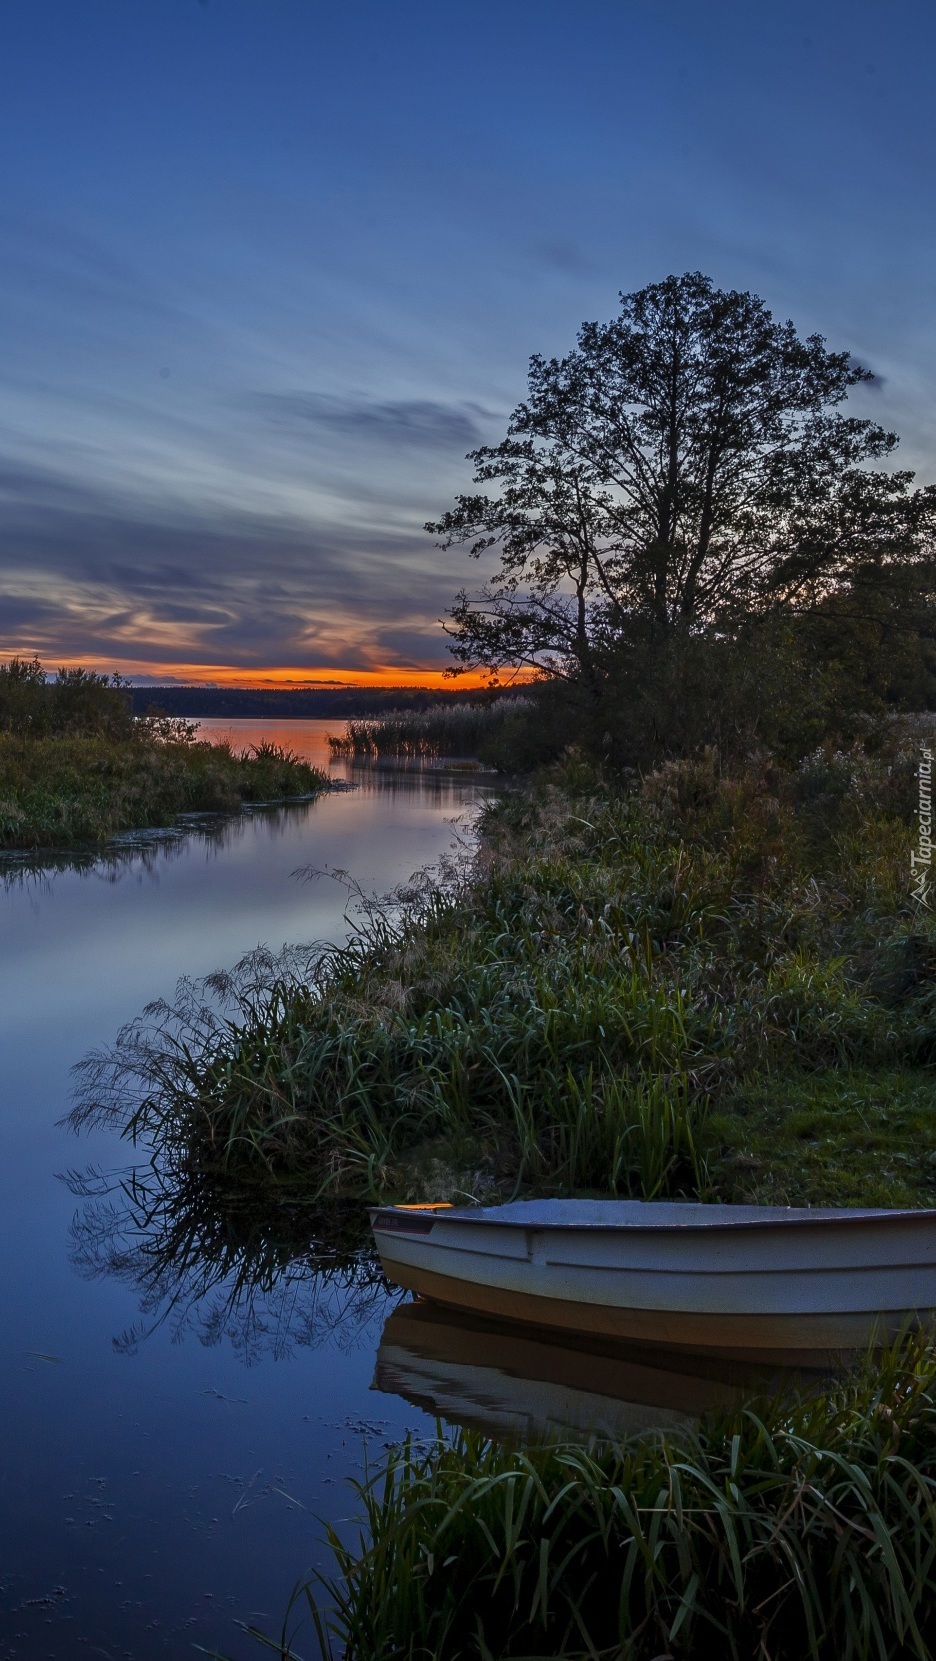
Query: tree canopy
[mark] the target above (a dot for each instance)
(686, 466)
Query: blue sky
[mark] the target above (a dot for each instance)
(268, 268)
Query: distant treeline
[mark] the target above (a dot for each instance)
(344, 702)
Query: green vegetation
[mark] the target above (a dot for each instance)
(76, 766)
(704, 983)
(644, 991)
(797, 1527)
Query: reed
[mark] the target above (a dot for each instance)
(454, 730)
(798, 1526)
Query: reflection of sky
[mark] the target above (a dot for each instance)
(270, 270)
(153, 1489)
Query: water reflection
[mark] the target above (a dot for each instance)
(143, 851)
(520, 1384)
(273, 1278)
(179, 1432)
(431, 781)
(268, 1278)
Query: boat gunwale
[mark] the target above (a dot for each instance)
(801, 1219)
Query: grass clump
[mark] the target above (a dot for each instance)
(799, 1526)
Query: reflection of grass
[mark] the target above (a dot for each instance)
(65, 789)
(800, 1526)
(210, 1259)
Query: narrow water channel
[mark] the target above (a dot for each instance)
(164, 1454)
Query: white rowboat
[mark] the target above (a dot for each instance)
(749, 1280)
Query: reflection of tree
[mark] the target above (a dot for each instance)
(269, 1277)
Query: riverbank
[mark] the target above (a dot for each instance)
(714, 985)
(794, 1527)
(62, 790)
(77, 767)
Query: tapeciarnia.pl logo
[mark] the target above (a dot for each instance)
(922, 857)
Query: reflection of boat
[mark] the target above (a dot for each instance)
(529, 1384)
(730, 1278)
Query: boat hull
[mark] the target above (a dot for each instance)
(797, 1289)
(803, 1336)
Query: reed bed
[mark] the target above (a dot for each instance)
(803, 1526)
(453, 730)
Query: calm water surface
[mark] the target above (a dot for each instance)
(160, 1465)
(168, 1441)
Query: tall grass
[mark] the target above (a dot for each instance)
(797, 1527)
(451, 730)
(617, 999)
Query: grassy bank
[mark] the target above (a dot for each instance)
(62, 790)
(709, 985)
(76, 766)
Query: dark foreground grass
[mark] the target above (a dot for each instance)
(63, 789)
(797, 1528)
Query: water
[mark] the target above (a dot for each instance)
(169, 1440)
(159, 1488)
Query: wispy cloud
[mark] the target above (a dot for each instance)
(211, 582)
(405, 423)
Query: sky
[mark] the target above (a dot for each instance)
(269, 268)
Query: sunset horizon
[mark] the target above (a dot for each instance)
(270, 678)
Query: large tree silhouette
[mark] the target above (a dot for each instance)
(686, 465)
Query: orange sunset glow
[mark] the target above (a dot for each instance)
(285, 679)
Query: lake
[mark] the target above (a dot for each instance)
(161, 1465)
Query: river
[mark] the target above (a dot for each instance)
(161, 1466)
(173, 1433)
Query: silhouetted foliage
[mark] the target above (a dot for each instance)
(684, 473)
(76, 701)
